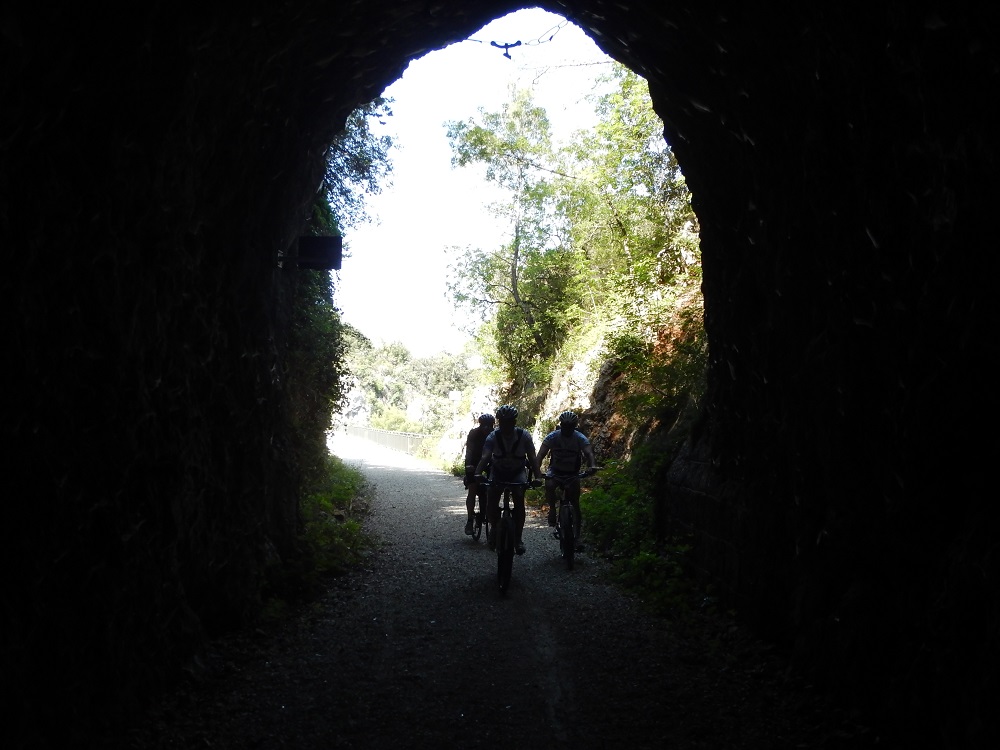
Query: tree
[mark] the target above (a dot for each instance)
(357, 164)
(630, 207)
(603, 237)
(391, 384)
(526, 287)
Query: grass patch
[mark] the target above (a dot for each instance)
(331, 540)
(331, 515)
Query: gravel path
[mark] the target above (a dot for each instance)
(418, 649)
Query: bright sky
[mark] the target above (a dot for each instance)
(392, 282)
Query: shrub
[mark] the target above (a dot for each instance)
(331, 539)
(619, 520)
(331, 529)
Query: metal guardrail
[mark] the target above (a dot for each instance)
(404, 442)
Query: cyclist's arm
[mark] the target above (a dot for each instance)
(470, 450)
(533, 463)
(469, 458)
(542, 454)
(484, 458)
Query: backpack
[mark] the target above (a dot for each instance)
(503, 465)
(565, 453)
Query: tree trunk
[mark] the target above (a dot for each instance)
(525, 308)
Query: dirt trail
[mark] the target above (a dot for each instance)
(418, 649)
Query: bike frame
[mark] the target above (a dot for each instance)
(566, 523)
(506, 531)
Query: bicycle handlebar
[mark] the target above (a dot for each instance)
(501, 483)
(582, 475)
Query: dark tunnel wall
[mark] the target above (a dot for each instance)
(843, 168)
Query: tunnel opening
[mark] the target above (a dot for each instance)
(473, 225)
(433, 209)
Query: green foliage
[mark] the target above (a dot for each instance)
(619, 518)
(603, 248)
(660, 578)
(390, 383)
(357, 164)
(512, 143)
(603, 236)
(331, 539)
(331, 531)
(632, 209)
(389, 417)
(618, 512)
(529, 288)
(432, 380)
(377, 373)
(315, 369)
(661, 370)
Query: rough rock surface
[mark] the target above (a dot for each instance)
(418, 649)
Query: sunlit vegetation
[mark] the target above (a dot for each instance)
(602, 238)
(331, 542)
(393, 390)
(602, 264)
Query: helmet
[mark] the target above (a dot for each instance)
(568, 418)
(486, 419)
(506, 412)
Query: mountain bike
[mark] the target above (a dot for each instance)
(567, 528)
(505, 532)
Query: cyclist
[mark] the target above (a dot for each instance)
(473, 451)
(509, 451)
(566, 448)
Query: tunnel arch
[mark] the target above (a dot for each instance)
(842, 163)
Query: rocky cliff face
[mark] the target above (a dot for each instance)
(842, 163)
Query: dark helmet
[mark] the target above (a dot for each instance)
(506, 412)
(486, 420)
(568, 419)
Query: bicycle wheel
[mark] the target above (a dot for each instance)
(567, 541)
(505, 551)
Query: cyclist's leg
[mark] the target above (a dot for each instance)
(572, 495)
(493, 503)
(550, 499)
(470, 505)
(567, 541)
(470, 499)
(493, 508)
(481, 497)
(519, 515)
